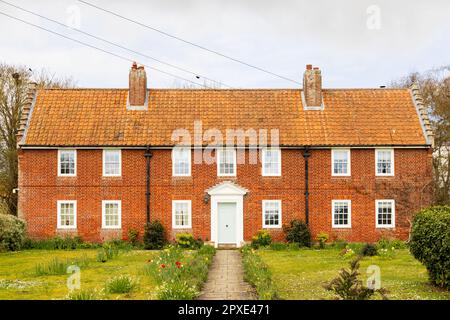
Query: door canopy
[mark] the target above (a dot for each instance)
(227, 188)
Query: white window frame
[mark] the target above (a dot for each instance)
(341, 226)
(58, 217)
(104, 163)
(189, 203)
(74, 174)
(348, 174)
(264, 173)
(264, 204)
(219, 154)
(386, 226)
(173, 163)
(392, 162)
(119, 211)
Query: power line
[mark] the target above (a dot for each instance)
(114, 44)
(189, 42)
(100, 49)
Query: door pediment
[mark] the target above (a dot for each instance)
(227, 188)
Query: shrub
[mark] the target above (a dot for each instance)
(298, 232)
(133, 237)
(369, 250)
(430, 243)
(261, 239)
(322, 237)
(257, 273)
(347, 286)
(121, 284)
(154, 236)
(12, 233)
(186, 240)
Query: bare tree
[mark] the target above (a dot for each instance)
(14, 84)
(435, 88)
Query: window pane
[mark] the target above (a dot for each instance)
(384, 162)
(271, 213)
(384, 214)
(340, 162)
(181, 214)
(226, 162)
(340, 214)
(111, 214)
(67, 214)
(181, 161)
(112, 162)
(271, 161)
(67, 161)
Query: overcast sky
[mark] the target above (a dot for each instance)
(356, 43)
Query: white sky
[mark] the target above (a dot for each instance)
(280, 36)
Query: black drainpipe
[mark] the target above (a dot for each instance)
(148, 156)
(306, 155)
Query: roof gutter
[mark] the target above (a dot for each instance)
(294, 147)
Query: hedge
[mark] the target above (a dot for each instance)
(430, 243)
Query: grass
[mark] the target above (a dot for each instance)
(121, 284)
(300, 275)
(20, 278)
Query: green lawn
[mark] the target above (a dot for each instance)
(301, 274)
(18, 279)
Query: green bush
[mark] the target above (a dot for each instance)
(430, 243)
(121, 284)
(187, 241)
(261, 239)
(154, 236)
(369, 250)
(298, 232)
(257, 273)
(322, 238)
(12, 233)
(133, 237)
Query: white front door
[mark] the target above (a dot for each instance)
(226, 222)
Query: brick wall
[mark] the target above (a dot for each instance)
(40, 188)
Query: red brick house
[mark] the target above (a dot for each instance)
(355, 163)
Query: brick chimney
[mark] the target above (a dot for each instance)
(137, 86)
(312, 86)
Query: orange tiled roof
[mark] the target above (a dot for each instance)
(98, 117)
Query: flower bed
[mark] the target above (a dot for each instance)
(180, 273)
(257, 273)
